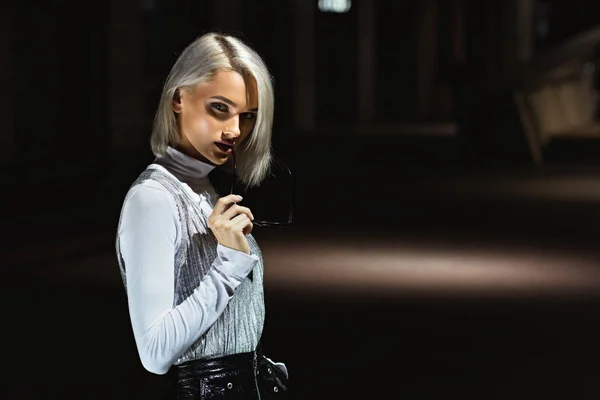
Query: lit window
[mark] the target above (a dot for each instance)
(335, 6)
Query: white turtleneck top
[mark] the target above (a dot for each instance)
(149, 236)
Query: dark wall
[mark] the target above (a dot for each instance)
(336, 66)
(60, 74)
(396, 65)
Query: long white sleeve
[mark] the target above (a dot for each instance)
(149, 235)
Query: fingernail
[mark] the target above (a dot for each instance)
(240, 198)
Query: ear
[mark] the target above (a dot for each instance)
(177, 101)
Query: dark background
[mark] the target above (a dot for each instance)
(433, 254)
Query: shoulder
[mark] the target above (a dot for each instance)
(149, 219)
(148, 196)
(149, 209)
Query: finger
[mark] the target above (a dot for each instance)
(248, 229)
(234, 210)
(225, 202)
(242, 223)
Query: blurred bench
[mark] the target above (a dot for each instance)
(557, 95)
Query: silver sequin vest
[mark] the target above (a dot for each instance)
(240, 326)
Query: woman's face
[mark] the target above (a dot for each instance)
(216, 116)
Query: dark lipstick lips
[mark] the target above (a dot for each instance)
(226, 144)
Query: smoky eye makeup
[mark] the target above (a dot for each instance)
(219, 107)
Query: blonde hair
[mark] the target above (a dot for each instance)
(199, 62)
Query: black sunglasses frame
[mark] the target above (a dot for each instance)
(268, 224)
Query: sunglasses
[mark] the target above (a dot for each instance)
(264, 223)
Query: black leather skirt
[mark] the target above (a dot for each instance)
(241, 376)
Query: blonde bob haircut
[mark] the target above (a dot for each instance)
(200, 62)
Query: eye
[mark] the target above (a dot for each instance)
(249, 115)
(220, 107)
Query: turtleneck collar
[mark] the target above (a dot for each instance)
(185, 168)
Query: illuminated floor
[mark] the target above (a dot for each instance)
(392, 266)
(357, 317)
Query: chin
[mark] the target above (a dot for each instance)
(219, 160)
(212, 158)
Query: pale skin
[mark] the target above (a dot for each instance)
(222, 110)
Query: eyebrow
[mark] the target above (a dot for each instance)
(231, 103)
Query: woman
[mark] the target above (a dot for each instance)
(192, 271)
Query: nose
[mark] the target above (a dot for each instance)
(233, 127)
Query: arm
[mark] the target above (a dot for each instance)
(149, 236)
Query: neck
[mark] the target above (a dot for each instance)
(189, 150)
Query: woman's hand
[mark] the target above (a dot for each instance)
(231, 223)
